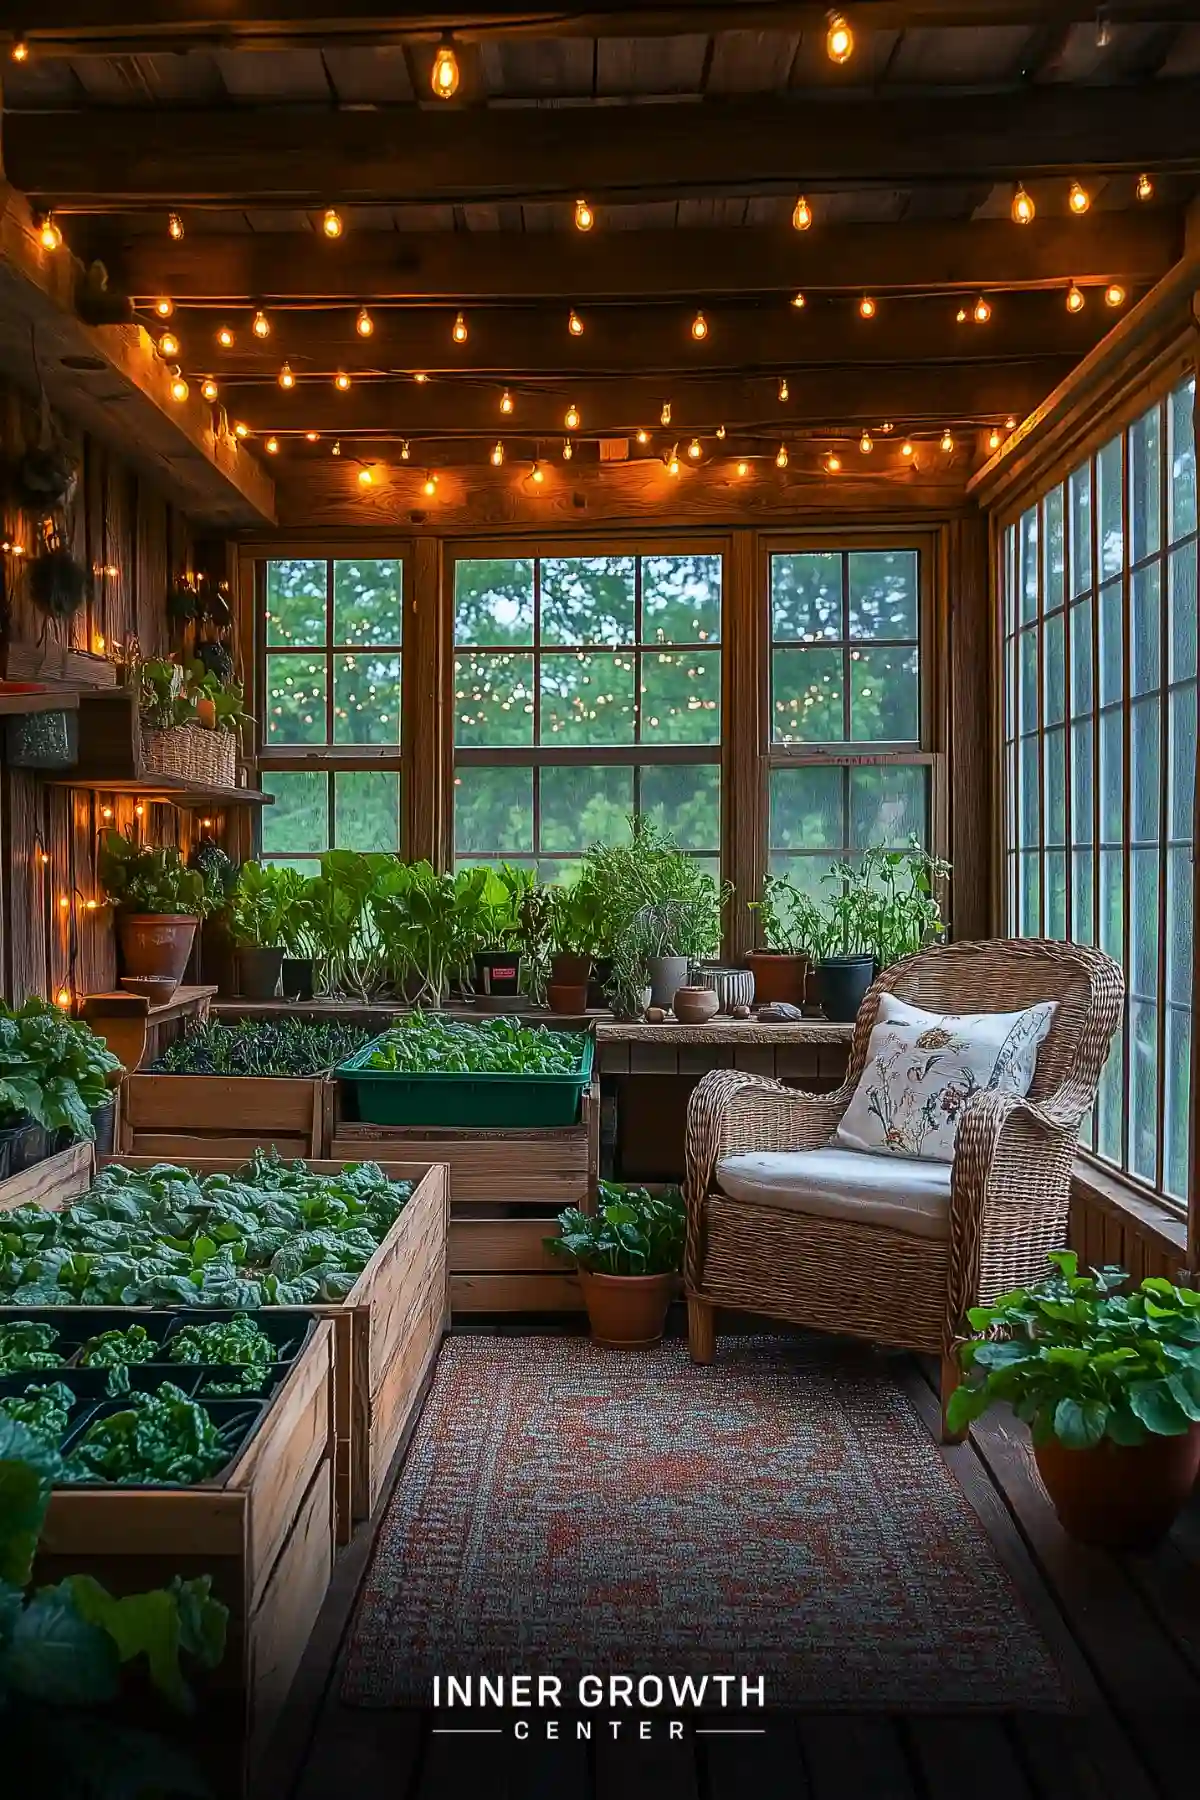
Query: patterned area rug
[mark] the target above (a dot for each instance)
(782, 1512)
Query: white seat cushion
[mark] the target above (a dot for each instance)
(902, 1195)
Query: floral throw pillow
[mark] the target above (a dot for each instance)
(923, 1067)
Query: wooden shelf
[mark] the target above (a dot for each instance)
(166, 787)
(110, 760)
(14, 704)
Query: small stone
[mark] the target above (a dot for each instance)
(739, 1012)
(655, 1015)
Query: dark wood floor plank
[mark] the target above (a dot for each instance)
(750, 1768)
(961, 1756)
(542, 1768)
(1064, 1759)
(455, 1765)
(846, 1755)
(362, 1753)
(1168, 1579)
(629, 1769)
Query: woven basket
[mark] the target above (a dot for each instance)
(193, 753)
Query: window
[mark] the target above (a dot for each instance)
(848, 765)
(330, 703)
(585, 688)
(1099, 584)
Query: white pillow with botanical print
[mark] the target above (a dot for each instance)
(923, 1067)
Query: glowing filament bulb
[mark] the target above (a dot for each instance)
(839, 39)
(783, 387)
(672, 464)
(168, 344)
(443, 78)
(1075, 298)
(833, 462)
(63, 998)
(867, 307)
(537, 474)
(341, 381)
(585, 218)
(664, 417)
(139, 810)
(208, 388)
(241, 429)
(1114, 294)
(64, 901)
(1023, 210)
(694, 449)
(801, 215)
(20, 51)
(575, 324)
(908, 449)
(364, 324)
(568, 450)
(337, 447)
(721, 432)
(699, 327)
(743, 468)
(961, 315)
(982, 310)
(272, 446)
(506, 402)
(497, 455)
(643, 436)
(262, 325)
(404, 450)
(429, 486)
(1078, 199)
(164, 307)
(106, 812)
(571, 420)
(799, 301)
(866, 443)
(331, 224)
(994, 438)
(175, 226)
(459, 332)
(179, 389)
(1145, 188)
(225, 338)
(286, 378)
(947, 441)
(364, 478)
(312, 437)
(781, 457)
(420, 377)
(1010, 424)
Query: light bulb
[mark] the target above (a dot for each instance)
(1114, 294)
(833, 462)
(1078, 199)
(63, 998)
(341, 382)
(364, 478)
(801, 215)
(571, 421)
(459, 332)
(994, 439)
(164, 307)
(49, 236)
(781, 457)
(887, 428)
(312, 437)
(429, 486)
(364, 324)
(262, 325)
(106, 812)
(643, 436)
(694, 449)
(20, 51)
(337, 447)
(867, 307)
(272, 446)
(783, 387)
(506, 402)
(1145, 188)
(497, 455)
(798, 301)
(664, 417)
(168, 345)
(585, 218)
(743, 468)
(721, 431)
(1023, 210)
(179, 389)
(1075, 298)
(538, 474)
(947, 441)
(699, 326)
(982, 310)
(139, 810)
(866, 443)
(1010, 424)
(208, 388)
(961, 315)
(568, 450)
(672, 464)
(331, 224)
(241, 429)
(575, 324)
(404, 450)
(839, 39)
(225, 338)
(286, 378)
(175, 226)
(443, 78)
(908, 449)
(420, 377)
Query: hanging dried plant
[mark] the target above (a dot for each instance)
(58, 584)
(183, 600)
(44, 481)
(216, 659)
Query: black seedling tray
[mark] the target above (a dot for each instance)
(237, 1421)
(274, 1375)
(92, 1384)
(289, 1328)
(79, 1415)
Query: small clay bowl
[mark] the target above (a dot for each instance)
(695, 1005)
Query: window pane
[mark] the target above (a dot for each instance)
(1029, 564)
(296, 595)
(1108, 484)
(1082, 694)
(1055, 882)
(1112, 778)
(1143, 1090)
(806, 596)
(587, 698)
(1082, 781)
(1182, 599)
(1145, 492)
(579, 807)
(1112, 904)
(1053, 550)
(1029, 831)
(884, 705)
(493, 600)
(299, 819)
(367, 602)
(1083, 876)
(1029, 679)
(808, 809)
(1146, 607)
(493, 695)
(1031, 894)
(681, 599)
(1182, 451)
(1054, 672)
(1054, 749)
(685, 800)
(1178, 1084)
(681, 697)
(883, 594)
(366, 806)
(1179, 927)
(296, 700)
(1143, 922)
(1145, 771)
(807, 693)
(1110, 1105)
(1112, 644)
(493, 811)
(588, 600)
(1079, 494)
(1183, 763)
(366, 699)
(887, 806)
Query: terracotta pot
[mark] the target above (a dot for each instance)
(567, 999)
(569, 971)
(627, 1312)
(156, 946)
(778, 976)
(695, 1005)
(1125, 1497)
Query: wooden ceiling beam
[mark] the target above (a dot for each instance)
(313, 157)
(468, 266)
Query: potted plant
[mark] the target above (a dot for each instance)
(793, 932)
(159, 903)
(883, 909)
(497, 895)
(1109, 1384)
(628, 1255)
(576, 932)
(680, 903)
(627, 989)
(298, 933)
(56, 1081)
(256, 916)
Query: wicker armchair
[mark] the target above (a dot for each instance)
(1009, 1183)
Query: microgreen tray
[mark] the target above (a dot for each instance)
(486, 1101)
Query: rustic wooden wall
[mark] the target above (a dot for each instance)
(135, 542)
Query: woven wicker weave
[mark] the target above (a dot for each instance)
(1010, 1184)
(192, 753)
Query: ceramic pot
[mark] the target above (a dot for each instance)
(1125, 1497)
(694, 1005)
(296, 978)
(842, 982)
(627, 1312)
(156, 946)
(667, 975)
(498, 972)
(778, 976)
(562, 998)
(258, 973)
(569, 970)
(733, 987)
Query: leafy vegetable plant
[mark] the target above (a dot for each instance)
(239, 1343)
(1078, 1360)
(148, 878)
(116, 1349)
(26, 1345)
(155, 1440)
(43, 1408)
(429, 1043)
(266, 1047)
(53, 1069)
(633, 1232)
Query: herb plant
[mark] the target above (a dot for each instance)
(53, 1070)
(43, 1408)
(155, 1440)
(792, 921)
(650, 871)
(432, 1044)
(633, 1232)
(258, 906)
(1080, 1361)
(262, 1047)
(147, 878)
(26, 1345)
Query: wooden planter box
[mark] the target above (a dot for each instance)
(387, 1331)
(173, 1117)
(505, 1189)
(264, 1532)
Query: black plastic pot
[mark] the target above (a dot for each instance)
(21, 1146)
(297, 978)
(498, 972)
(258, 972)
(842, 981)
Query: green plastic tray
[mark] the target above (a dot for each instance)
(385, 1097)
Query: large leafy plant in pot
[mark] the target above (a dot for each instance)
(258, 909)
(628, 1255)
(795, 934)
(160, 902)
(882, 909)
(55, 1075)
(1108, 1383)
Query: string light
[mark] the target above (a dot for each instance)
(179, 388)
(947, 440)
(139, 811)
(98, 641)
(404, 450)
(781, 457)
(168, 345)
(908, 449)
(1075, 298)
(420, 377)
(1010, 424)
(961, 315)
(208, 388)
(11, 549)
(673, 464)
(174, 226)
(798, 301)
(164, 307)
(743, 468)
(225, 338)
(1078, 199)
(982, 310)
(585, 218)
(833, 462)
(537, 474)
(568, 450)
(364, 324)
(664, 417)
(575, 324)
(272, 446)
(20, 51)
(506, 402)
(1145, 188)
(459, 332)
(206, 824)
(331, 224)
(262, 325)
(443, 77)
(337, 447)
(497, 455)
(63, 999)
(1023, 210)
(341, 382)
(106, 812)
(887, 428)
(866, 443)
(49, 236)
(867, 307)
(783, 387)
(571, 420)
(365, 478)
(643, 436)
(1114, 294)
(839, 39)
(802, 216)
(286, 378)
(994, 439)
(429, 485)
(241, 429)
(699, 326)
(694, 450)
(312, 437)
(721, 432)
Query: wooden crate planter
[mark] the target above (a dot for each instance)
(264, 1532)
(505, 1189)
(182, 1116)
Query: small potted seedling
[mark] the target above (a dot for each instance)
(628, 1255)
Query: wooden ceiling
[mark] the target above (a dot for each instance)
(690, 130)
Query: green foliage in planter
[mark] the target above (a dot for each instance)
(238, 1343)
(424, 1044)
(172, 694)
(53, 1069)
(625, 989)
(1078, 1360)
(633, 1232)
(117, 1349)
(259, 905)
(26, 1345)
(791, 921)
(261, 1047)
(885, 906)
(156, 1439)
(150, 878)
(43, 1409)
(649, 875)
(577, 926)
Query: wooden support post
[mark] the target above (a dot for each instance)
(702, 1329)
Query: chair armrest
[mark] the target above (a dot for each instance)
(730, 1111)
